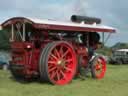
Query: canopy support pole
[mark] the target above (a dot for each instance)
(12, 31)
(103, 39)
(24, 32)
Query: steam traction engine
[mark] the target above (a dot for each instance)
(54, 51)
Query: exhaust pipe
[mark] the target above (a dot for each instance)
(86, 19)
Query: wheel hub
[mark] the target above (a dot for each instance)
(61, 62)
(98, 67)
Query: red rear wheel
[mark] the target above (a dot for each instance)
(58, 63)
(98, 68)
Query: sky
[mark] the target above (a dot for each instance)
(112, 12)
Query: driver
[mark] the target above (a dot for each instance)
(92, 41)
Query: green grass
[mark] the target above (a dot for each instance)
(115, 83)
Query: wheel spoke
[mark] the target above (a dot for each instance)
(68, 60)
(53, 68)
(52, 62)
(64, 76)
(53, 74)
(57, 53)
(54, 56)
(61, 50)
(50, 66)
(58, 75)
(67, 51)
(68, 69)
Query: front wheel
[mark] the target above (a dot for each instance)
(98, 67)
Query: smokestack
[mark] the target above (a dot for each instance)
(86, 19)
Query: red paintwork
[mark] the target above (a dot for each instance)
(70, 28)
(29, 57)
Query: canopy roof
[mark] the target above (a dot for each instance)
(55, 25)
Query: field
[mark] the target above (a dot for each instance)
(115, 83)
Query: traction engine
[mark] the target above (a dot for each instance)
(55, 51)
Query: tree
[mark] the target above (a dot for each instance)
(4, 40)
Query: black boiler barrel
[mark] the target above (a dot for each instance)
(86, 19)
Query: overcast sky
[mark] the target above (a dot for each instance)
(112, 12)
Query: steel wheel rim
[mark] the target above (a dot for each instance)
(61, 64)
(100, 68)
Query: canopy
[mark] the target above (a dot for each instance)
(55, 25)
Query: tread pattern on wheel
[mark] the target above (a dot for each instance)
(42, 65)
